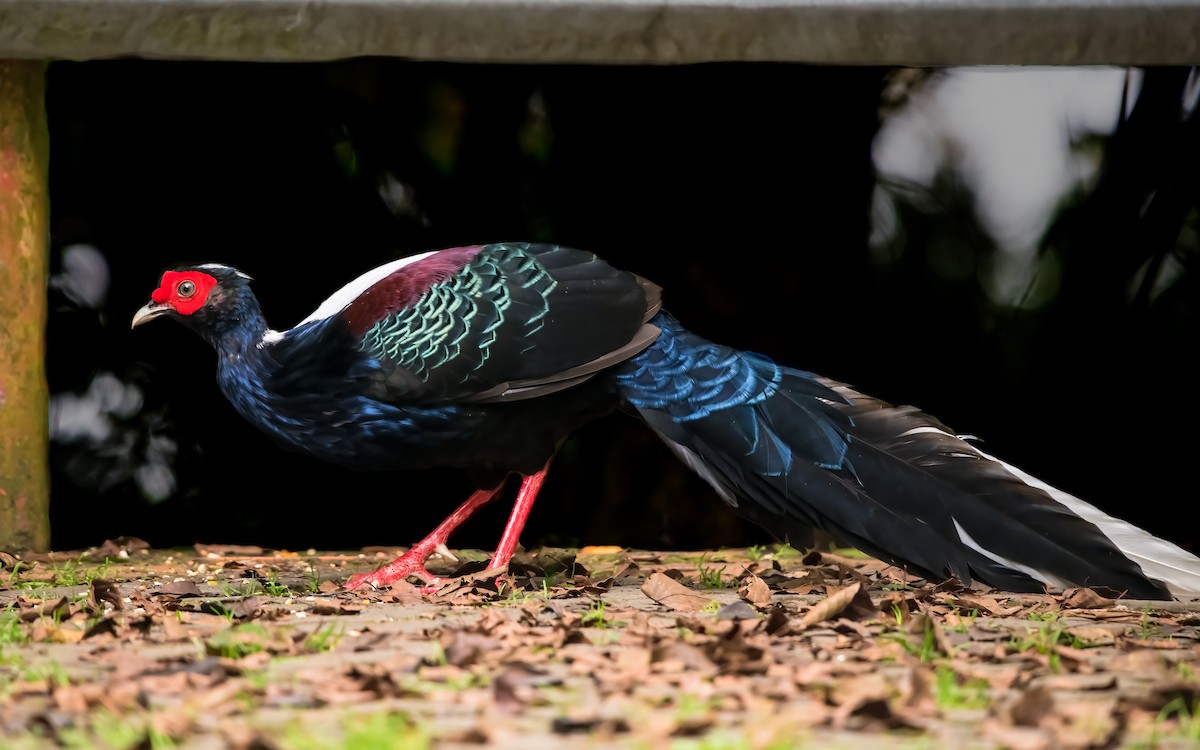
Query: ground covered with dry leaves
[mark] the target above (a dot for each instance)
(237, 647)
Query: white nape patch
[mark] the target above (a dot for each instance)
(1033, 573)
(344, 296)
(269, 337)
(223, 267)
(1158, 558)
(696, 464)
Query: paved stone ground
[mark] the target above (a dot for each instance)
(222, 646)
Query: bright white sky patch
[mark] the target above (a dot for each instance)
(1010, 130)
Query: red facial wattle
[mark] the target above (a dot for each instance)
(185, 291)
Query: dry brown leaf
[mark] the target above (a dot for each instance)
(1016, 737)
(941, 638)
(517, 685)
(242, 737)
(1031, 707)
(246, 608)
(600, 549)
(1085, 598)
(335, 607)
(49, 633)
(547, 561)
(401, 592)
(777, 622)
(916, 688)
(226, 550)
(47, 609)
(671, 593)
(585, 722)
(115, 547)
(807, 581)
(1085, 724)
(1000, 679)
(742, 651)
(852, 602)
(103, 626)
(755, 591)
(73, 698)
(1093, 635)
(863, 702)
(1146, 663)
(1078, 682)
(462, 648)
(177, 588)
(1161, 644)
(966, 603)
(738, 610)
(333, 587)
(693, 725)
(473, 588)
(8, 562)
(173, 629)
(626, 570)
(1154, 696)
(104, 590)
(676, 656)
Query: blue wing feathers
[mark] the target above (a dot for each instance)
(693, 380)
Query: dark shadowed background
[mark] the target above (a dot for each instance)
(766, 199)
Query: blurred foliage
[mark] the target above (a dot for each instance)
(745, 190)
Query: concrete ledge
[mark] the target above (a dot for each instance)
(900, 32)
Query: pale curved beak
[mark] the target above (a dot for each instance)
(151, 311)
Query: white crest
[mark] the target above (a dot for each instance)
(223, 267)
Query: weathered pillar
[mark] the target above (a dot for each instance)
(24, 212)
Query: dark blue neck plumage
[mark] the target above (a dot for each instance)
(239, 326)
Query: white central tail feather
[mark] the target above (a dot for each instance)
(1034, 573)
(1158, 558)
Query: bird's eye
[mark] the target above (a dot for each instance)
(186, 289)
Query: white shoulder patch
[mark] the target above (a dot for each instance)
(270, 336)
(344, 296)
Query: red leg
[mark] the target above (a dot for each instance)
(520, 513)
(413, 561)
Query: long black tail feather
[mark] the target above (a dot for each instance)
(793, 451)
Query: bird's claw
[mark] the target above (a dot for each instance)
(396, 571)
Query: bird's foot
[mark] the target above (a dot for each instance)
(411, 563)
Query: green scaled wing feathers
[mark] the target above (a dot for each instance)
(502, 321)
